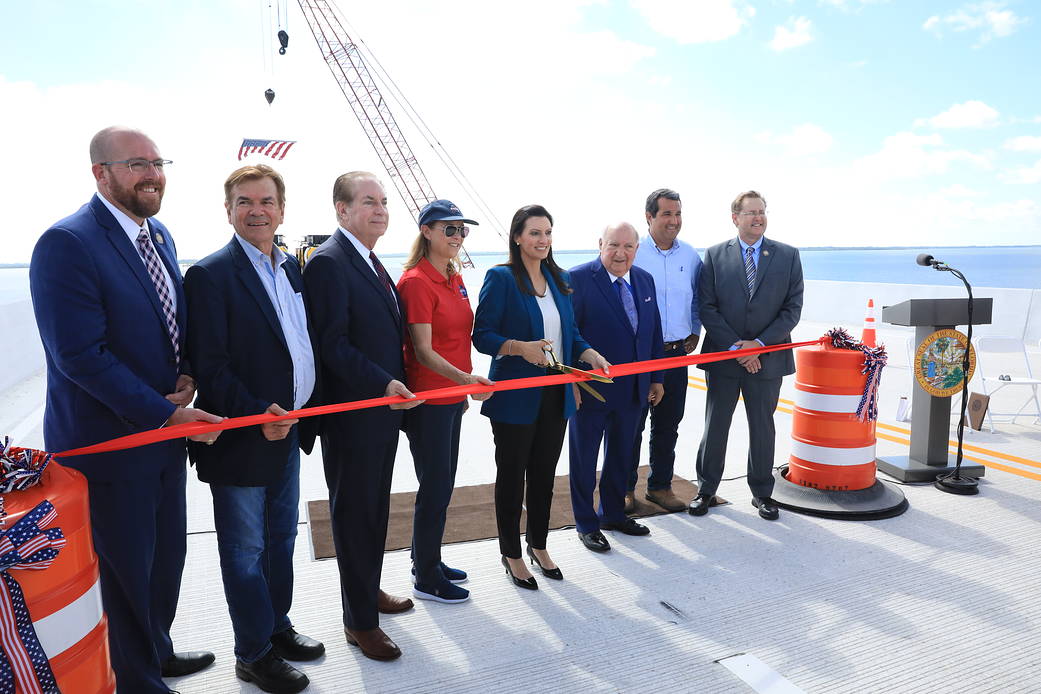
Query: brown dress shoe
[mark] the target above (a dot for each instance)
(373, 643)
(389, 604)
(630, 503)
(666, 498)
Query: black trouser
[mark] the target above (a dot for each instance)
(359, 475)
(531, 451)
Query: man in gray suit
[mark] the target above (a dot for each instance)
(750, 295)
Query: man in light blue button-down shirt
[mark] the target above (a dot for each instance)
(675, 266)
(250, 343)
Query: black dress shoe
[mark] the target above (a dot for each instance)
(290, 645)
(272, 674)
(595, 541)
(529, 583)
(629, 527)
(699, 506)
(767, 508)
(181, 664)
(556, 574)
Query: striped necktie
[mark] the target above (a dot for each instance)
(750, 269)
(155, 272)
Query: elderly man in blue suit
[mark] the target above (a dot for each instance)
(251, 351)
(615, 310)
(109, 305)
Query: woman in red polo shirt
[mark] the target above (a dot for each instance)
(437, 355)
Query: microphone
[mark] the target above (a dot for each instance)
(927, 260)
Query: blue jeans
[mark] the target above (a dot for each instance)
(433, 437)
(256, 533)
(665, 425)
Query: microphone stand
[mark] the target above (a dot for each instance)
(954, 482)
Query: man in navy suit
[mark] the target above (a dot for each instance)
(356, 314)
(617, 312)
(251, 351)
(110, 308)
(750, 294)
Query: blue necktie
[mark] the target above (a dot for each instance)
(750, 269)
(627, 301)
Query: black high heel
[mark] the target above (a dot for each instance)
(555, 574)
(529, 583)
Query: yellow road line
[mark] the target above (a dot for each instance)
(694, 383)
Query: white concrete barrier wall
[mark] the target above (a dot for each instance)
(1017, 312)
(23, 353)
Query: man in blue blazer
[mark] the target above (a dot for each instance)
(251, 350)
(356, 316)
(750, 294)
(616, 310)
(111, 312)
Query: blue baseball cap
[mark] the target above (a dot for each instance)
(442, 211)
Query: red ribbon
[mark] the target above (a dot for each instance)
(177, 431)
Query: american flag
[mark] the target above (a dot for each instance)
(276, 149)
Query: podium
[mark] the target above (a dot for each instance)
(930, 415)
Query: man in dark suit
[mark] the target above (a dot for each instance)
(110, 308)
(356, 315)
(750, 293)
(251, 351)
(617, 312)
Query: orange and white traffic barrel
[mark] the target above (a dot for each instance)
(832, 448)
(831, 469)
(47, 556)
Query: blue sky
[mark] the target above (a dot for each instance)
(863, 122)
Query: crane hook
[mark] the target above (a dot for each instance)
(269, 95)
(283, 38)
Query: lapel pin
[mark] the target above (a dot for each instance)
(159, 237)
(766, 252)
(646, 299)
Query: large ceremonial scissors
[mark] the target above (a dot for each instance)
(554, 363)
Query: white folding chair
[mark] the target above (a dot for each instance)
(998, 357)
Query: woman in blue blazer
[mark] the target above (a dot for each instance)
(525, 306)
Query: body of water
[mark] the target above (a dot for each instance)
(1016, 267)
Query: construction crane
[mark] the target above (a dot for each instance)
(356, 81)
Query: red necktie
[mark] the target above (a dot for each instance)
(381, 272)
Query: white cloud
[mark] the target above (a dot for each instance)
(803, 140)
(991, 19)
(908, 155)
(971, 114)
(703, 21)
(1024, 174)
(849, 5)
(960, 191)
(797, 31)
(1024, 143)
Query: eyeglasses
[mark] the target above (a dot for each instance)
(752, 213)
(451, 230)
(140, 166)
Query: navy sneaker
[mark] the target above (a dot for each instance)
(445, 592)
(453, 575)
